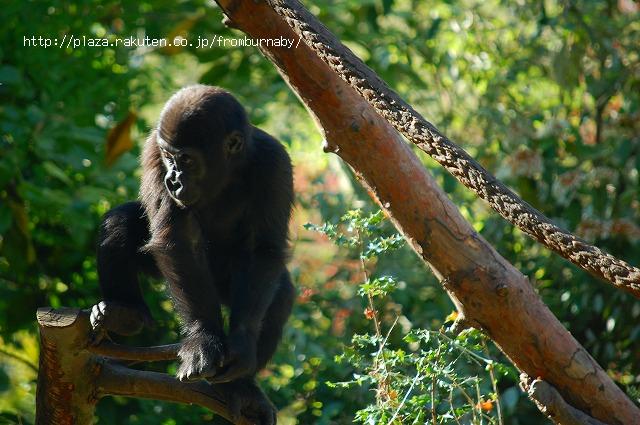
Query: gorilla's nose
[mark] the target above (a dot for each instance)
(173, 182)
(173, 185)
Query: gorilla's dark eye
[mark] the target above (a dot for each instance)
(165, 154)
(186, 160)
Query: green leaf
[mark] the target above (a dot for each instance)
(6, 218)
(9, 75)
(55, 171)
(4, 380)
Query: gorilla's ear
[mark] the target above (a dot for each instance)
(233, 143)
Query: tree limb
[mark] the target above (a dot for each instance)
(156, 353)
(552, 405)
(116, 379)
(453, 158)
(72, 377)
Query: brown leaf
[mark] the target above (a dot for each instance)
(21, 221)
(180, 30)
(119, 139)
(587, 131)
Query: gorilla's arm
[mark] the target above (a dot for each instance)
(179, 251)
(257, 274)
(254, 284)
(254, 281)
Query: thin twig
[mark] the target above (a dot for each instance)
(146, 354)
(406, 396)
(494, 382)
(19, 358)
(464, 393)
(478, 404)
(453, 410)
(383, 386)
(433, 389)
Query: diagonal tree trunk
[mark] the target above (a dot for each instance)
(453, 158)
(489, 292)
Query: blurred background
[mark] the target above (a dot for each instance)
(545, 94)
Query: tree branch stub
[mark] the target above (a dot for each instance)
(74, 375)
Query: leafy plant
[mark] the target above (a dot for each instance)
(420, 375)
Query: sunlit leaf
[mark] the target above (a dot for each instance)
(119, 139)
(181, 30)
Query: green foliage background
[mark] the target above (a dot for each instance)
(544, 93)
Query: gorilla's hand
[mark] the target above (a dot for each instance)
(239, 359)
(201, 355)
(108, 316)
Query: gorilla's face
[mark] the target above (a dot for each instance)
(193, 173)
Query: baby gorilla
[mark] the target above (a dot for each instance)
(216, 198)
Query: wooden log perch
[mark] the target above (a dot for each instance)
(74, 375)
(489, 292)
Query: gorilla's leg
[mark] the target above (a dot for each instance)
(243, 395)
(123, 231)
(245, 398)
(274, 320)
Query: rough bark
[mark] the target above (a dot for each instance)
(488, 291)
(453, 158)
(552, 405)
(65, 394)
(72, 377)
